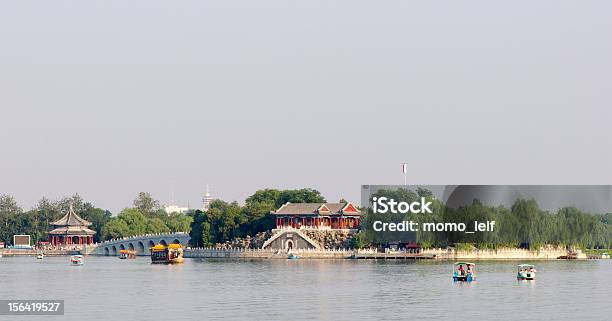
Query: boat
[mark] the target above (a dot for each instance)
(292, 256)
(464, 271)
(127, 254)
(76, 260)
(526, 272)
(40, 256)
(167, 254)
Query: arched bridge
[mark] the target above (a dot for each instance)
(141, 243)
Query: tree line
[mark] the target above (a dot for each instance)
(146, 216)
(524, 224)
(224, 221)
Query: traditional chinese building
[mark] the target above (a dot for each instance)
(318, 216)
(71, 229)
(312, 225)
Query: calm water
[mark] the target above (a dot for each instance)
(106, 288)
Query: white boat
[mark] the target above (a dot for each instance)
(76, 260)
(526, 272)
(40, 256)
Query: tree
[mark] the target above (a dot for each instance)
(304, 195)
(98, 218)
(8, 217)
(156, 225)
(145, 203)
(201, 230)
(225, 219)
(177, 222)
(115, 228)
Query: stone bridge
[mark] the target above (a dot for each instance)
(140, 243)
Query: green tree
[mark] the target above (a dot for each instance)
(9, 210)
(145, 203)
(177, 222)
(156, 225)
(98, 218)
(115, 228)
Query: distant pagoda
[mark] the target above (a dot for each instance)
(71, 229)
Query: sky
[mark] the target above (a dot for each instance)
(111, 98)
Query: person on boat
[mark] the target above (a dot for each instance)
(461, 270)
(469, 269)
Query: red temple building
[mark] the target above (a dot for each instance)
(318, 216)
(71, 229)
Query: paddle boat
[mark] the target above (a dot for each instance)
(167, 254)
(526, 272)
(76, 260)
(40, 256)
(464, 271)
(127, 254)
(292, 256)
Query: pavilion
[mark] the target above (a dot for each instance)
(318, 216)
(71, 229)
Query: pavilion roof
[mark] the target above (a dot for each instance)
(317, 208)
(72, 230)
(71, 219)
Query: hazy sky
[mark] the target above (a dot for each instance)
(110, 98)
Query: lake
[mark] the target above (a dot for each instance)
(106, 288)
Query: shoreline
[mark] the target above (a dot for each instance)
(334, 254)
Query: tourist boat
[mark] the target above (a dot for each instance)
(464, 271)
(76, 260)
(168, 254)
(127, 254)
(292, 256)
(526, 272)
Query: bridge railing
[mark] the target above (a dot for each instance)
(148, 235)
(238, 249)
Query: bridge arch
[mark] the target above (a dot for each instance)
(140, 250)
(140, 244)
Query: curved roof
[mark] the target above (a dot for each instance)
(72, 230)
(317, 208)
(71, 219)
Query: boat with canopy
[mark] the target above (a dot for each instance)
(526, 272)
(464, 271)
